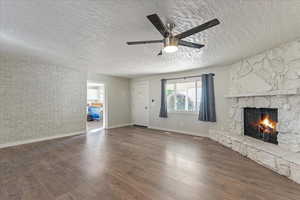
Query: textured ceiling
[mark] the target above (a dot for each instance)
(91, 34)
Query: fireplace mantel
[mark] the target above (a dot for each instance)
(270, 93)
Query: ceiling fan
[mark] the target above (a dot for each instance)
(170, 41)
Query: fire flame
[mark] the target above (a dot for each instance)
(266, 125)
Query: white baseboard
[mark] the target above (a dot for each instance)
(177, 131)
(40, 139)
(120, 125)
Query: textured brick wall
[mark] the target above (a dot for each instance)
(38, 100)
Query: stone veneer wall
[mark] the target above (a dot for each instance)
(253, 83)
(39, 101)
(273, 70)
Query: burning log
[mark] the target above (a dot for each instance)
(266, 125)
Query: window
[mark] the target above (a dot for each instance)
(95, 94)
(183, 96)
(92, 94)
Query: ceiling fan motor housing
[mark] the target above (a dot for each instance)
(170, 41)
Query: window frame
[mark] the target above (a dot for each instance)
(196, 106)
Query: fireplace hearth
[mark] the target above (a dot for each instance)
(261, 123)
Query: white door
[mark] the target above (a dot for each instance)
(140, 103)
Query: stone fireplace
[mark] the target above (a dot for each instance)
(264, 114)
(285, 107)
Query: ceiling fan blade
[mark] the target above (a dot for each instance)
(144, 42)
(198, 29)
(190, 44)
(159, 25)
(160, 53)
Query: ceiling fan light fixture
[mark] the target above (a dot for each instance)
(170, 49)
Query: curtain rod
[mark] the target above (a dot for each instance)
(185, 77)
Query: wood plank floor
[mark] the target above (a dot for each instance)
(136, 163)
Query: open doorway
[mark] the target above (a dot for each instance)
(95, 106)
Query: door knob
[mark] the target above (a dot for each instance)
(146, 107)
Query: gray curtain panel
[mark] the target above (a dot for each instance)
(207, 110)
(163, 103)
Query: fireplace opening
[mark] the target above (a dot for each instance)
(261, 123)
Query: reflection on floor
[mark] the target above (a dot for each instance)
(93, 126)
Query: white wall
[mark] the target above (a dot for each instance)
(117, 99)
(39, 100)
(188, 123)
